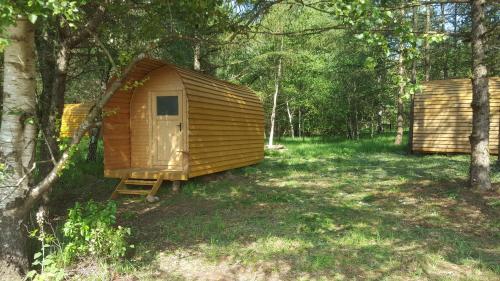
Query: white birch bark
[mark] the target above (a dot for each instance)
(290, 120)
(196, 56)
(275, 97)
(17, 139)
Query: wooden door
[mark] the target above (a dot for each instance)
(167, 129)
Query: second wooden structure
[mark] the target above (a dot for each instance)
(442, 116)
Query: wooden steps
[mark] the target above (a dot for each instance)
(134, 192)
(139, 182)
(122, 187)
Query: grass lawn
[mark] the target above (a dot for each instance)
(321, 210)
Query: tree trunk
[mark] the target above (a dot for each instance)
(380, 126)
(55, 40)
(54, 58)
(356, 123)
(444, 44)
(414, 61)
(196, 56)
(300, 124)
(290, 120)
(51, 112)
(372, 126)
(45, 39)
(479, 176)
(401, 91)
(414, 82)
(93, 143)
(275, 97)
(427, 58)
(17, 138)
(59, 89)
(279, 131)
(455, 43)
(399, 120)
(412, 123)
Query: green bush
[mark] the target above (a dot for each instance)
(90, 230)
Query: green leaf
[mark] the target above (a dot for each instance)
(359, 36)
(32, 18)
(31, 274)
(37, 255)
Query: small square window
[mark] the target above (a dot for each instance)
(167, 105)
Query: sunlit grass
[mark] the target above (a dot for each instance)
(322, 209)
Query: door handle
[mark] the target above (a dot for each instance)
(180, 126)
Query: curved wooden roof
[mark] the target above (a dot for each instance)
(146, 65)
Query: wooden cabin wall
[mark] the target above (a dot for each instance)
(140, 152)
(163, 79)
(116, 131)
(443, 116)
(226, 125)
(73, 116)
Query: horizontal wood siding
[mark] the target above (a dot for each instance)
(225, 122)
(443, 116)
(116, 131)
(73, 116)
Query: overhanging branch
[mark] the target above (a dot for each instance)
(43, 186)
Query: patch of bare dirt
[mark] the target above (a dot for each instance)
(194, 267)
(463, 210)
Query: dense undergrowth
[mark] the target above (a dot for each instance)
(319, 210)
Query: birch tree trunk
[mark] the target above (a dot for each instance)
(17, 142)
(380, 125)
(290, 120)
(275, 97)
(196, 56)
(479, 175)
(401, 91)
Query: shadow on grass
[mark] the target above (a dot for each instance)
(329, 210)
(314, 230)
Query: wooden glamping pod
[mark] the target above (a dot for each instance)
(73, 116)
(178, 124)
(442, 116)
